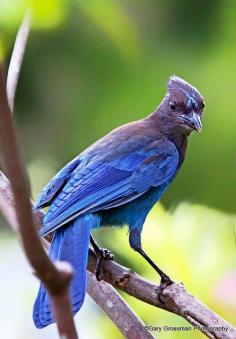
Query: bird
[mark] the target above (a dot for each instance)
(115, 182)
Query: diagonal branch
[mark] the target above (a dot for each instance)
(56, 278)
(117, 309)
(173, 298)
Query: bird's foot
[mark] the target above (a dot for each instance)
(102, 254)
(165, 281)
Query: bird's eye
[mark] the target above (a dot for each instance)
(203, 104)
(173, 105)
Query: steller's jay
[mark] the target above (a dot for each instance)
(115, 182)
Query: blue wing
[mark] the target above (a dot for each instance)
(96, 185)
(55, 185)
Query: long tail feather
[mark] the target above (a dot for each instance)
(69, 244)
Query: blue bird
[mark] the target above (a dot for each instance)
(115, 182)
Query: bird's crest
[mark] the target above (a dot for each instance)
(176, 83)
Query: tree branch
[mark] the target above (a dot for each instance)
(173, 298)
(17, 59)
(56, 278)
(117, 309)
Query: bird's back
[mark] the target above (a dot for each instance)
(114, 171)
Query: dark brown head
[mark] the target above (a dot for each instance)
(182, 107)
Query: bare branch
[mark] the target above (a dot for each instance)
(173, 298)
(55, 279)
(17, 59)
(7, 201)
(117, 309)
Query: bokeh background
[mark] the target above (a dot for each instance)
(93, 65)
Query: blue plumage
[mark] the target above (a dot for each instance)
(96, 184)
(116, 181)
(69, 244)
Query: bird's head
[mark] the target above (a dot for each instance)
(182, 106)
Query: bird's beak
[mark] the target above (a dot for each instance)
(193, 121)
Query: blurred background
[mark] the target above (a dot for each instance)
(93, 65)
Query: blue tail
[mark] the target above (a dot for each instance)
(70, 243)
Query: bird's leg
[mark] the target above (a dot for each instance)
(165, 279)
(135, 243)
(102, 254)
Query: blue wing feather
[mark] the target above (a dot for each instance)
(55, 184)
(101, 185)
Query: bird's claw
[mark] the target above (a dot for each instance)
(165, 280)
(106, 254)
(103, 254)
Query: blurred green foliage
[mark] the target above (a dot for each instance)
(44, 15)
(93, 65)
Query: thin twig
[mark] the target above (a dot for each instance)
(17, 59)
(6, 201)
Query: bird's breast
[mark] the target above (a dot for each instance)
(129, 213)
